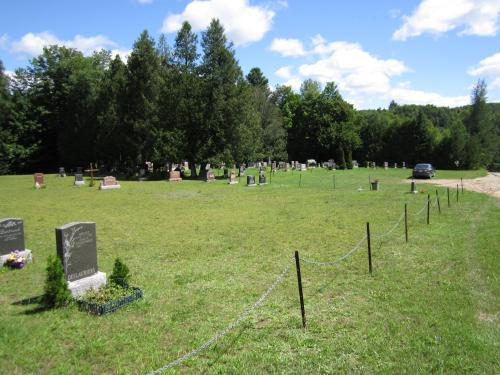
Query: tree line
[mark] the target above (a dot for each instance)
(191, 101)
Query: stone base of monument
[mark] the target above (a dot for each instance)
(107, 187)
(79, 183)
(249, 185)
(262, 183)
(80, 287)
(25, 253)
(174, 179)
(232, 182)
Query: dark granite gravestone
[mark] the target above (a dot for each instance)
(62, 172)
(76, 247)
(79, 179)
(12, 239)
(79, 170)
(262, 178)
(251, 180)
(11, 235)
(242, 170)
(38, 177)
(226, 173)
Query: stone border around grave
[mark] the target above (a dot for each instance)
(26, 253)
(107, 187)
(111, 306)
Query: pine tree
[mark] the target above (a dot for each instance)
(121, 273)
(341, 158)
(56, 287)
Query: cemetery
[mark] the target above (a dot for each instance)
(199, 255)
(235, 192)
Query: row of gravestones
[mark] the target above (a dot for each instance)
(108, 182)
(76, 247)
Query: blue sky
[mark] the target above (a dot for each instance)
(412, 51)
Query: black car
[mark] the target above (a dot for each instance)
(423, 170)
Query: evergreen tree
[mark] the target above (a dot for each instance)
(482, 143)
(141, 117)
(121, 273)
(56, 293)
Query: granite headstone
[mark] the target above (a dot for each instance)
(76, 247)
(12, 239)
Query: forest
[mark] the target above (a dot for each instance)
(190, 101)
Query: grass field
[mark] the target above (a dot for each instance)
(204, 252)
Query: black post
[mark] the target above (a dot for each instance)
(428, 207)
(437, 198)
(300, 180)
(448, 189)
(301, 295)
(369, 182)
(334, 182)
(406, 221)
(457, 193)
(369, 247)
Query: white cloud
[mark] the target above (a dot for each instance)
(351, 67)
(287, 47)
(408, 96)
(284, 72)
(488, 67)
(243, 22)
(32, 44)
(364, 79)
(144, 1)
(3, 40)
(473, 17)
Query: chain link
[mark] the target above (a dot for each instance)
(422, 209)
(381, 236)
(222, 333)
(349, 253)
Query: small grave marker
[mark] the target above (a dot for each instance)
(38, 180)
(210, 176)
(262, 178)
(109, 182)
(251, 180)
(62, 172)
(79, 181)
(174, 176)
(12, 239)
(232, 178)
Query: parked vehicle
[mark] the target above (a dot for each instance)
(423, 170)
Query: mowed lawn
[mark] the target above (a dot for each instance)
(204, 252)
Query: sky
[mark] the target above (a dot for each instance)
(411, 51)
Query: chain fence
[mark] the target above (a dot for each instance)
(231, 326)
(277, 282)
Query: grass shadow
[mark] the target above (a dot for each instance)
(36, 300)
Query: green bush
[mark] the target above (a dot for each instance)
(121, 274)
(56, 287)
(107, 293)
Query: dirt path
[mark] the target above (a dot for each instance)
(489, 184)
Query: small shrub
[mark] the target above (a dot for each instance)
(107, 293)
(56, 289)
(121, 274)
